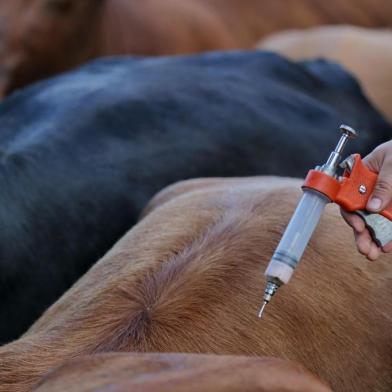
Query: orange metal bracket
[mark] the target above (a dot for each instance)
(352, 191)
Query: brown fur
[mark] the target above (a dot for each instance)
(39, 38)
(188, 278)
(367, 53)
(180, 373)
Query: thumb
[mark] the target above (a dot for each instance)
(380, 161)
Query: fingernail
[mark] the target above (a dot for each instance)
(374, 204)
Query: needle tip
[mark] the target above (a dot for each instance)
(262, 308)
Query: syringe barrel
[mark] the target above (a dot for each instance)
(296, 237)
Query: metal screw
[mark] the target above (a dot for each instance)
(362, 189)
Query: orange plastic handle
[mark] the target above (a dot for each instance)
(352, 192)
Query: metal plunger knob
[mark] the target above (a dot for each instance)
(347, 133)
(331, 165)
(350, 132)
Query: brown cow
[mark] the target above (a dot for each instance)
(188, 278)
(367, 53)
(39, 38)
(179, 373)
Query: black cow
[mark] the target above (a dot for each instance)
(82, 153)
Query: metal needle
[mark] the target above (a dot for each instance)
(262, 308)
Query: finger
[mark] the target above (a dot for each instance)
(355, 221)
(363, 241)
(387, 248)
(367, 246)
(375, 159)
(374, 252)
(381, 196)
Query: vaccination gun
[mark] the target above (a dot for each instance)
(324, 185)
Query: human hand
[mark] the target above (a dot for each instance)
(378, 161)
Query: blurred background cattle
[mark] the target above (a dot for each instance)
(40, 38)
(367, 53)
(82, 153)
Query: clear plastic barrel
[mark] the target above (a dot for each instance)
(297, 235)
